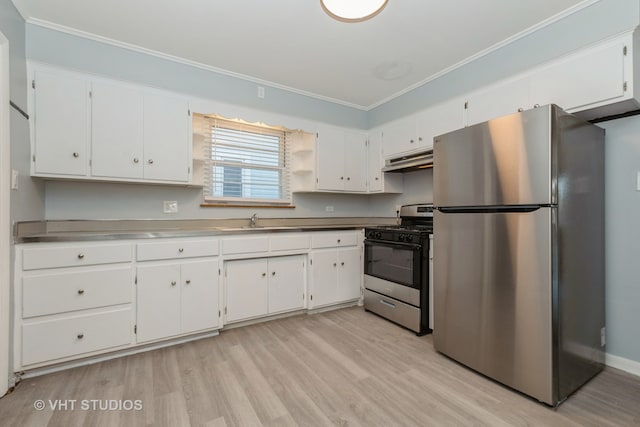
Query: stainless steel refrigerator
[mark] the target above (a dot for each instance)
(519, 250)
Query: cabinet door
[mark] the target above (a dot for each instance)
(246, 289)
(374, 162)
(500, 100)
(286, 283)
(355, 161)
(199, 295)
(399, 137)
(61, 124)
(350, 270)
(324, 278)
(330, 167)
(583, 79)
(439, 119)
(166, 138)
(116, 132)
(158, 301)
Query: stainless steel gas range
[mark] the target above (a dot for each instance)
(396, 269)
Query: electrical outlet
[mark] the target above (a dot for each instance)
(260, 92)
(170, 206)
(328, 208)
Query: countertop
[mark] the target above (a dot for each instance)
(88, 230)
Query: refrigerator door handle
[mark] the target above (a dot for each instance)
(490, 209)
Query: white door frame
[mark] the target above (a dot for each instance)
(5, 212)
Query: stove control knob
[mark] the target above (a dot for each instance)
(378, 235)
(371, 234)
(401, 238)
(409, 238)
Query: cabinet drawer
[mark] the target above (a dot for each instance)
(75, 335)
(75, 255)
(331, 240)
(172, 249)
(245, 245)
(77, 290)
(289, 243)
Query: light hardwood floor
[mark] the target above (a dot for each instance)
(345, 367)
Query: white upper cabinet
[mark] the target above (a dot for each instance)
(116, 131)
(60, 123)
(594, 76)
(377, 181)
(166, 137)
(439, 119)
(400, 137)
(342, 160)
(499, 100)
(101, 129)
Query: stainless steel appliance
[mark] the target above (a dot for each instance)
(519, 250)
(396, 269)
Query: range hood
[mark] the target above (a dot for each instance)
(409, 162)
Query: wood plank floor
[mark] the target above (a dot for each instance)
(345, 368)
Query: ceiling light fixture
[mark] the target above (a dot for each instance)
(353, 10)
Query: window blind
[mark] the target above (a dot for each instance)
(244, 162)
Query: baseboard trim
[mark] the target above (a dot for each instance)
(627, 365)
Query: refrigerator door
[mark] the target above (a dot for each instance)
(493, 295)
(505, 161)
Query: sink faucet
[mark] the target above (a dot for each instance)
(253, 220)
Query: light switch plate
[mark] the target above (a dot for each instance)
(170, 206)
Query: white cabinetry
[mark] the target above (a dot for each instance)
(415, 133)
(499, 100)
(342, 160)
(61, 120)
(177, 296)
(335, 268)
(261, 286)
(378, 181)
(101, 129)
(71, 300)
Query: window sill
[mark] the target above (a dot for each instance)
(245, 205)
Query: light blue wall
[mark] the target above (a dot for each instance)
(28, 201)
(82, 54)
(594, 23)
(622, 236)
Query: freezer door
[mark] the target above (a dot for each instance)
(493, 296)
(505, 161)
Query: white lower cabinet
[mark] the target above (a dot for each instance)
(261, 286)
(335, 276)
(176, 298)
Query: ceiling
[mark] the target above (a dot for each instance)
(293, 44)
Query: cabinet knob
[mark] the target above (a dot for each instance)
(136, 160)
(80, 256)
(181, 250)
(273, 273)
(187, 281)
(411, 141)
(339, 240)
(76, 154)
(419, 138)
(342, 178)
(80, 291)
(80, 336)
(264, 274)
(334, 264)
(377, 178)
(173, 283)
(520, 110)
(342, 263)
(536, 105)
(150, 161)
(348, 178)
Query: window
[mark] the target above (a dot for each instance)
(246, 163)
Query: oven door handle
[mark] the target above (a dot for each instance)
(403, 246)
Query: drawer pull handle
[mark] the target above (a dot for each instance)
(181, 250)
(387, 303)
(80, 256)
(80, 336)
(80, 291)
(187, 281)
(173, 283)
